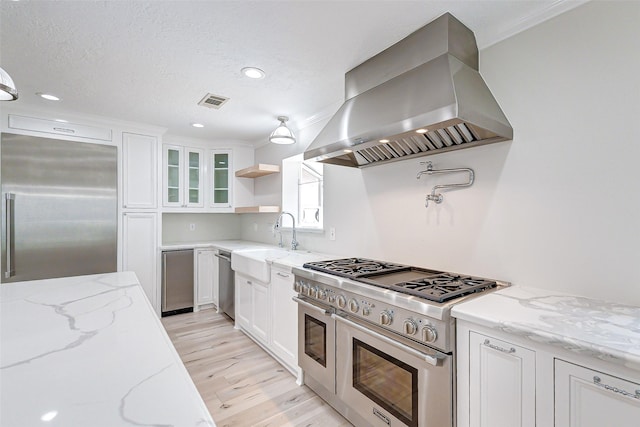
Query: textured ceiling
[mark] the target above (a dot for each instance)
(152, 61)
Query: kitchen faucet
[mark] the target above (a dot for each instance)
(278, 226)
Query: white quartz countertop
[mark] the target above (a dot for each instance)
(607, 331)
(285, 260)
(229, 245)
(90, 351)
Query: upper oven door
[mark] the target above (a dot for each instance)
(316, 343)
(390, 383)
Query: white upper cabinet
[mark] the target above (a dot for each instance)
(139, 171)
(183, 177)
(221, 179)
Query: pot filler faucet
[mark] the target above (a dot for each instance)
(278, 227)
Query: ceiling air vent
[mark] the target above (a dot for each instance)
(213, 101)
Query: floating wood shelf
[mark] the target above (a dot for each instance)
(258, 170)
(258, 209)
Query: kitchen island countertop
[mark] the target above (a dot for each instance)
(603, 330)
(90, 351)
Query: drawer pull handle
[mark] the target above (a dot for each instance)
(597, 381)
(495, 347)
(282, 274)
(65, 130)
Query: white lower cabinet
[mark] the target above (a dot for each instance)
(502, 386)
(267, 313)
(206, 278)
(252, 307)
(508, 380)
(588, 398)
(139, 255)
(284, 322)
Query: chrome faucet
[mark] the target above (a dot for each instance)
(278, 226)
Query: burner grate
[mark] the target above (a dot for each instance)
(443, 287)
(355, 267)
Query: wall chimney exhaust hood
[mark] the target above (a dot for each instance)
(423, 95)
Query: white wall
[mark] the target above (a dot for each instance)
(557, 208)
(207, 226)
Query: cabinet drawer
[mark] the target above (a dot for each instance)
(59, 128)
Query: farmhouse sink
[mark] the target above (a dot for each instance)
(255, 262)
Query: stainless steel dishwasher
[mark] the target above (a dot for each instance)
(226, 284)
(177, 282)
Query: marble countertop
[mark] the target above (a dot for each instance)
(90, 351)
(603, 330)
(285, 261)
(229, 245)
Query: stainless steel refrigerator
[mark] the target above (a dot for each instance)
(59, 208)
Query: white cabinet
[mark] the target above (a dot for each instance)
(512, 380)
(267, 313)
(502, 389)
(261, 325)
(284, 322)
(139, 255)
(243, 306)
(139, 171)
(588, 398)
(221, 179)
(252, 308)
(206, 278)
(182, 177)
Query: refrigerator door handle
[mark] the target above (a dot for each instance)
(9, 201)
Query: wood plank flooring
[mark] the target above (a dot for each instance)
(239, 382)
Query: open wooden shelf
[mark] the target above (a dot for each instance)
(258, 209)
(258, 170)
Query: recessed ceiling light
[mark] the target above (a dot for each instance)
(384, 141)
(48, 96)
(197, 125)
(62, 120)
(422, 130)
(253, 72)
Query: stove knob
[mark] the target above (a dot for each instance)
(297, 286)
(353, 305)
(304, 289)
(341, 301)
(386, 318)
(410, 327)
(313, 291)
(429, 334)
(366, 311)
(321, 294)
(332, 299)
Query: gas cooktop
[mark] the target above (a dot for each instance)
(428, 284)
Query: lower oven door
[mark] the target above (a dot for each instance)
(392, 383)
(316, 343)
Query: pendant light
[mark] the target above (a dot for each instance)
(8, 91)
(282, 134)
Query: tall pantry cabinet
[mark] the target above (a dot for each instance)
(139, 211)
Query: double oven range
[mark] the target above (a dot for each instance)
(376, 340)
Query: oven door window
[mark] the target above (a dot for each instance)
(315, 339)
(387, 381)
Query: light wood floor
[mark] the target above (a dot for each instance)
(239, 382)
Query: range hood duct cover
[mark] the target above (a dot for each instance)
(429, 80)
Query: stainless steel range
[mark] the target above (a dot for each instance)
(376, 339)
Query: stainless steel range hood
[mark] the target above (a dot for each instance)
(429, 80)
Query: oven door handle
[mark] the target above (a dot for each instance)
(432, 360)
(311, 306)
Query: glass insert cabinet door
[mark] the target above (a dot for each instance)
(183, 173)
(221, 178)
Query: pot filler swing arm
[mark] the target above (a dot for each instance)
(437, 197)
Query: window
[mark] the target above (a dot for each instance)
(302, 188)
